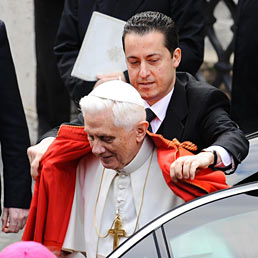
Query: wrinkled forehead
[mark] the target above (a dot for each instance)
(102, 118)
(147, 34)
(101, 124)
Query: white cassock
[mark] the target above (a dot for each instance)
(119, 191)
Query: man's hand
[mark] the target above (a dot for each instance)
(186, 167)
(14, 219)
(109, 77)
(35, 154)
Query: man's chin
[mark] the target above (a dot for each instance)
(109, 164)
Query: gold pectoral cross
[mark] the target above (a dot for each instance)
(117, 232)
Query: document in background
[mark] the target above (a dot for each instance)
(101, 51)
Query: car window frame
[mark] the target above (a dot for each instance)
(168, 216)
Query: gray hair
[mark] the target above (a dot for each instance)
(125, 115)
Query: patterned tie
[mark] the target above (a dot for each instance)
(150, 115)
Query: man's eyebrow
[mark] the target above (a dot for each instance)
(105, 136)
(131, 57)
(148, 56)
(154, 54)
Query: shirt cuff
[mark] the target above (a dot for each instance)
(226, 158)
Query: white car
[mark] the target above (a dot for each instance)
(223, 224)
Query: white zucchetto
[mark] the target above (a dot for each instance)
(118, 90)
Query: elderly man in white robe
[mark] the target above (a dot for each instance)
(100, 183)
(123, 185)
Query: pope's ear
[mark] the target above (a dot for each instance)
(141, 130)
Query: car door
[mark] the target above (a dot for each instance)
(221, 225)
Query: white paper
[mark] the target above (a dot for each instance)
(101, 51)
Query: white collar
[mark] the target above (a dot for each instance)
(140, 158)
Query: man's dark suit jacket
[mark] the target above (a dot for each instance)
(188, 16)
(198, 112)
(14, 136)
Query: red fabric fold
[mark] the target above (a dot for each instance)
(205, 181)
(54, 188)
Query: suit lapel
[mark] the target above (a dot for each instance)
(173, 124)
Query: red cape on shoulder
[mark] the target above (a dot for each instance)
(54, 187)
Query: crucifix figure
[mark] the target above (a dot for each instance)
(117, 232)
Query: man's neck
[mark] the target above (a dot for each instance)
(140, 157)
(160, 109)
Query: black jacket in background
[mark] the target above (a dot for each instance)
(14, 136)
(244, 93)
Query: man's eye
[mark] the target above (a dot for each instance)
(107, 139)
(90, 138)
(133, 62)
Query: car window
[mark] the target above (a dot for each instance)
(144, 249)
(226, 228)
(247, 171)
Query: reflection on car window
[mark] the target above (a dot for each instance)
(226, 228)
(144, 249)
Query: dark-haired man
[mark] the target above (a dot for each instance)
(75, 19)
(184, 108)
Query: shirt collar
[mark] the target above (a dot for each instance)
(160, 107)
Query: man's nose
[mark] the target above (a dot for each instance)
(144, 70)
(97, 147)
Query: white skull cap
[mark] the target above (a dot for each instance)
(118, 90)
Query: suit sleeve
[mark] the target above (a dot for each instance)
(190, 22)
(67, 47)
(219, 129)
(78, 121)
(14, 136)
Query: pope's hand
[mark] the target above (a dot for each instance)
(35, 154)
(187, 166)
(109, 77)
(14, 219)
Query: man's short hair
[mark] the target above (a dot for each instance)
(145, 22)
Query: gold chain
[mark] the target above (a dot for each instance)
(140, 210)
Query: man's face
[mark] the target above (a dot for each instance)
(151, 68)
(114, 146)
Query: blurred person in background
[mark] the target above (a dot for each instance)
(14, 140)
(52, 99)
(245, 82)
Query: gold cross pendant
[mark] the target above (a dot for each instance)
(117, 232)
